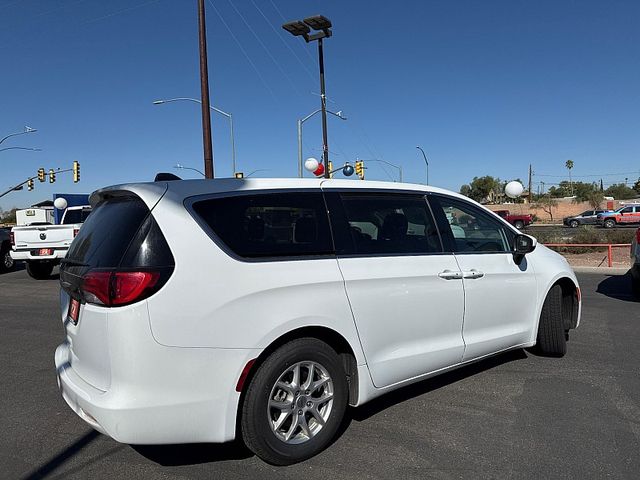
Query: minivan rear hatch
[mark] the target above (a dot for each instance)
(118, 259)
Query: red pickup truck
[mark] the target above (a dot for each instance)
(518, 221)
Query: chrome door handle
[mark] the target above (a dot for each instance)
(473, 273)
(450, 275)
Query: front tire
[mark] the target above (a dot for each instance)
(519, 224)
(39, 270)
(574, 224)
(295, 403)
(609, 223)
(552, 339)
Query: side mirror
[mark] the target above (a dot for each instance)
(522, 245)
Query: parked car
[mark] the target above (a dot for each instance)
(589, 217)
(196, 310)
(624, 215)
(42, 246)
(635, 264)
(6, 262)
(518, 221)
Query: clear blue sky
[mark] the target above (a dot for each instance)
(485, 87)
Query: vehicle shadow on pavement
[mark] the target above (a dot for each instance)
(194, 453)
(415, 390)
(61, 458)
(618, 287)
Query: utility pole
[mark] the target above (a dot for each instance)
(530, 174)
(204, 95)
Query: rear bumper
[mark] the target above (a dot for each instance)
(181, 395)
(26, 255)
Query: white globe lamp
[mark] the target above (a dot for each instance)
(311, 164)
(513, 189)
(60, 203)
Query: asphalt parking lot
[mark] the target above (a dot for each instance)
(516, 415)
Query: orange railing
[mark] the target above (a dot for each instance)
(610, 247)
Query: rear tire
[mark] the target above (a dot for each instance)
(519, 224)
(609, 223)
(39, 270)
(277, 406)
(6, 262)
(552, 340)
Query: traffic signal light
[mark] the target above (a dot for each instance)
(52, 175)
(330, 169)
(41, 174)
(30, 184)
(360, 169)
(76, 171)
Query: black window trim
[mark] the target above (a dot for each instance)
(448, 239)
(190, 201)
(333, 199)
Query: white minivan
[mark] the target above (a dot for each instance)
(205, 310)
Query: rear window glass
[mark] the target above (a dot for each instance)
(108, 232)
(76, 216)
(269, 225)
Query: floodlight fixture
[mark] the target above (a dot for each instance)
(297, 28)
(318, 22)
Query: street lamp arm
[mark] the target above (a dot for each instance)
(388, 163)
(26, 130)
(424, 155)
(188, 99)
(182, 167)
(20, 148)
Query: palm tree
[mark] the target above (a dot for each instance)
(569, 165)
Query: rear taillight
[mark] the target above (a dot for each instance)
(12, 237)
(76, 231)
(117, 288)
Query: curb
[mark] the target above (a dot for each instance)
(604, 270)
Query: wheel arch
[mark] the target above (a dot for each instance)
(570, 302)
(327, 335)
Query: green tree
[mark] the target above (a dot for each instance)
(620, 191)
(636, 186)
(546, 204)
(480, 187)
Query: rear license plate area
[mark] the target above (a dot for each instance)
(74, 311)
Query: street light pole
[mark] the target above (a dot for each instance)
(425, 161)
(322, 26)
(323, 101)
(300, 122)
(221, 112)
(204, 92)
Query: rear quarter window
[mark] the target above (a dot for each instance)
(120, 232)
(289, 224)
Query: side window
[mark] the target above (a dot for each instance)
(472, 229)
(387, 223)
(627, 210)
(269, 225)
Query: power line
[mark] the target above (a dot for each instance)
(276, 63)
(589, 176)
(118, 12)
(286, 44)
(253, 65)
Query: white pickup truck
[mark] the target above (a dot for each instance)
(43, 246)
